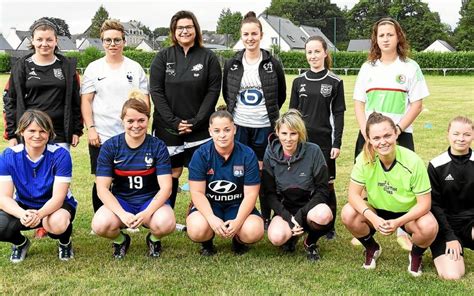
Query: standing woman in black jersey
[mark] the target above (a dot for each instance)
(254, 90)
(47, 81)
(185, 82)
(319, 95)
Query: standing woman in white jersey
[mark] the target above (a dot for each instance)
(319, 95)
(105, 88)
(390, 83)
(254, 90)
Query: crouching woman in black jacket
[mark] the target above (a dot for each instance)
(295, 182)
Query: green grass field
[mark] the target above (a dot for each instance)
(264, 270)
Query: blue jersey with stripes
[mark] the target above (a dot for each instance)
(34, 180)
(134, 170)
(225, 179)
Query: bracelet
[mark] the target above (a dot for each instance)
(401, 130)
(91, 126)
(363, 212)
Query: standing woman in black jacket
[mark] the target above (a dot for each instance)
(254, 90)
(185, 82)
(47, 81)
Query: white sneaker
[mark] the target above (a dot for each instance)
(371, 257)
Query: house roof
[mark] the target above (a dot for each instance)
(161, 38)
(4, 44)
(313, 31)
(93, 42)
(150, 44)
(288, 31)
(446, 44)
(213, 38)
(64, 43)
(359, 45)
(23, 34)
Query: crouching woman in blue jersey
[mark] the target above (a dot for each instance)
(398, 194)
(34, 188)
(295, 182)
(138, 167)
(224, 183)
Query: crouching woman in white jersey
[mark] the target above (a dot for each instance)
(34, 188)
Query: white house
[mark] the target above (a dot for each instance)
(359, 45)
(440, 46)
(313, 31)
(133, 34)
(148, 46)
(4, 45)
(15, 37)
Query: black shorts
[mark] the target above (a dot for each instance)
(331, 204)
(404, 139)
(93, 155)
(388, 215)
(331, 163)
(255, 138)
(438, 247)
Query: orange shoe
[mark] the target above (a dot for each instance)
(40, 233)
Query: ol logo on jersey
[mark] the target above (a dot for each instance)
(251, 97)
(238, 170)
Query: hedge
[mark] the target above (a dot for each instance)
(292, 61)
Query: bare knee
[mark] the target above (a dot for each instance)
(348, 215)
(451, 275)
(252, 230)
(321, 215)
(198, 230)
(278, 237)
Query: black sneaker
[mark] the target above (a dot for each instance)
(207, 249)
(331, 234)
(290, 245)
(154, 248)
(19, 252)
(65, 252)
(238, 247)
(312, 252)
(120, 250)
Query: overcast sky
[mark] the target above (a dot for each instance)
(156, 13)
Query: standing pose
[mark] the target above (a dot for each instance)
(254, 90)
(295, 182)
(319, 95)
(452, 179)
(398, 194)
(224, 183)
(392, 84)
(34, 187)
(106, 85)
(137, 166)
(185, 82)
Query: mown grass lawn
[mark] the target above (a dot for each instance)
(264, 270)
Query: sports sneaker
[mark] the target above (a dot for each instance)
(290, 245)
(207, 249)
(415, 264)
(120, 250)
(65, 252)
(312, 252)
(238, 247)
(371, 255)
(40, 233)
(154, 248)
(19, 252)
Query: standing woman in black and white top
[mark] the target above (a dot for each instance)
(254, 90)
(319, 95)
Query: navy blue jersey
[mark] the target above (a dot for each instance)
(134, 171)
(34, 180)
(225, 179)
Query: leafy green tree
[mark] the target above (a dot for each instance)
(229, 23)
(100, 16)
(161, 31)
(463, 39)
(63, 28)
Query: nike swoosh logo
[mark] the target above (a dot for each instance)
(118, 161)
(101, 78)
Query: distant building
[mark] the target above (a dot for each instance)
(440, 46)
(133, 34)
(211, 38)
(64, 44)
(359, 45)
(4, 45)
(91, 42)
(313, 31)
(14, 37)
(148, 46)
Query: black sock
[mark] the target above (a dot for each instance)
(313, 236)
(18, 239)
(65, 237)
(174, 192)
(96, 202)
(417, 251)
(264, 205)
(332, 199)
(208, 244)
(368, 240)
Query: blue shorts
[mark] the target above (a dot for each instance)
(135, 209)
(226, 212)
(255, 138)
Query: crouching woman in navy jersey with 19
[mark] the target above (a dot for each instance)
(34, 187)
(224, 183)
(139, 168)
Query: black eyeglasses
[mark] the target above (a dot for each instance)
(181, 28)
(116, 41)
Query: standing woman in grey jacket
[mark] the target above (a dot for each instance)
(254, 90)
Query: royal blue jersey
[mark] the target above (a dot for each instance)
(134, 171)
(34, 180)
(225, 179)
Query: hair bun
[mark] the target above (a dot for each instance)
(221, 108)
(250, 14)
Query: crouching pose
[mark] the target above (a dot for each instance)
(295, 182)
(452, 179)
(224, 183)
(138, 167)
(398, 194)
(34, 188)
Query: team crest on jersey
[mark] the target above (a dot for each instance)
(129, 77)
(58, 73)
(268, 67)
(197, 68)
(326, 90)
(170, 69)
(401, 78)
(148, 161)
(238, 170)
(234, 67)
(210, 172)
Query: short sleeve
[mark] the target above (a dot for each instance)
(197, 166)
(360, 87)
(163, 162)
(5, 174)
(357, 174)
(420, 180)
(143, 81)
(417, 88)
(88, 80)
(105, 160)
(63, 166)
(252, 173)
